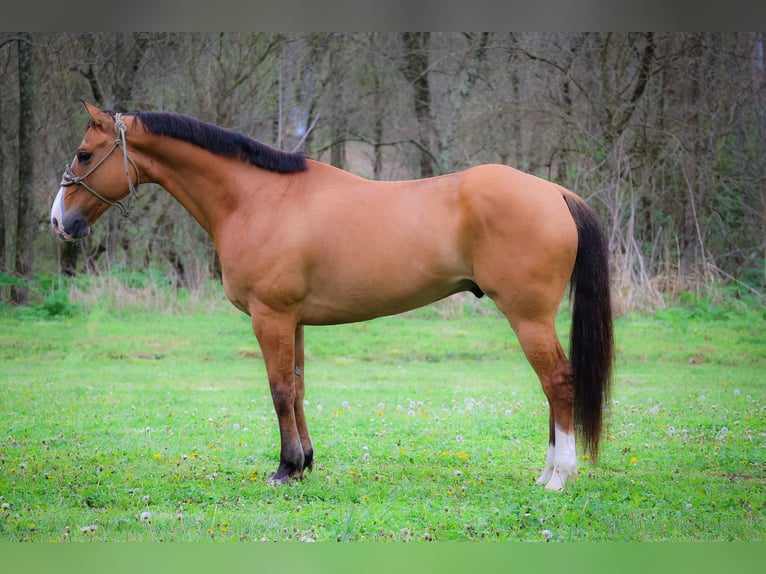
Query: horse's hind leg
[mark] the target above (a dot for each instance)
(544, 352)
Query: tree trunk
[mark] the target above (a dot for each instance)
(476, 55)
(25, 215)
(339, 125)
(2, 202)
(416, 71)
(691, 240)
(378, 132)
(515, 133)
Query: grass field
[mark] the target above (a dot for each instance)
(127, 424)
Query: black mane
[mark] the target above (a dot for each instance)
(221, 141)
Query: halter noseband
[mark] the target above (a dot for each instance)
(70, 178)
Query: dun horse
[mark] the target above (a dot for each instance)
(303, 243)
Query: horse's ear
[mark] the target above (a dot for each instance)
(95, 114)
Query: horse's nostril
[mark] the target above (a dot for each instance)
(55, 222)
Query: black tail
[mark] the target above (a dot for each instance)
(591, 343)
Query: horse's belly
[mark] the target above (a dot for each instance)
(362, 302)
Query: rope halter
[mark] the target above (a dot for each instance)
(70, 178)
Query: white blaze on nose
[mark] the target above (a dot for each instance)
(57, 211)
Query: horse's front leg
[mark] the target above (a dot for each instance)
(300, 416)
(277, 336)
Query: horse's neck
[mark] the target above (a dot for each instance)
(196, 179)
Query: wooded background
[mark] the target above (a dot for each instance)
(663, 133)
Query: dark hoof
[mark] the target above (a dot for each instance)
(277, 479)
(285, 474)
(308, 461)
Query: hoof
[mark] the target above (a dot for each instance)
(277, 480)
(556, 483)
(308, 461)
(284, 475)
(545, 477)
(558, 480)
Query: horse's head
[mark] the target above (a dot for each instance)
(100, 176)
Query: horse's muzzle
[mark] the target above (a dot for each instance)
(75, 229)
(68, 225)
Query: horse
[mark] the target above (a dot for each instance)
(302, 242)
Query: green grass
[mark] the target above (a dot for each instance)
(159, 426)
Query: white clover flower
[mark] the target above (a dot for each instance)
(547, 534)
(146, 515)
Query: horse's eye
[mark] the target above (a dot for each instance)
(84, 156)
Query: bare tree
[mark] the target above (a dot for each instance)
(469, 73)
(4, 50)
(415, 68)
(25, 226)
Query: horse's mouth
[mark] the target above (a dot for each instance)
(63, 235)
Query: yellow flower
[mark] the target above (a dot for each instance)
(633, 460)
(157, 456)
